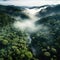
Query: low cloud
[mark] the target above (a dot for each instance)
(29, 2)
(29, 25)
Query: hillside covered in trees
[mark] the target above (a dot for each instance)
(30, 33)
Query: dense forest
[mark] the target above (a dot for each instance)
(44, 44)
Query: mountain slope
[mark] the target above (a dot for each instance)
(28, 33)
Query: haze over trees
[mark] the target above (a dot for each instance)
(42, 43)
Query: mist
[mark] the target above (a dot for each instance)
(29, 2)
(29, 25)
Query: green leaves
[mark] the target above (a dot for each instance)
(14, 45)
(47, 54)
(29, 55)
(4, 42)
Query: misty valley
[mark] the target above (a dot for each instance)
(30, 33)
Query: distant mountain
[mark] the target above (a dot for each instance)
(17, 10)
(13, 11)
(49, 10)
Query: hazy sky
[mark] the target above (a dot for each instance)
(29, 2)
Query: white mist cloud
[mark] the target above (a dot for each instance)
(29, 2)
(29, 25)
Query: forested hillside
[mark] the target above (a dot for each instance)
(30, 33)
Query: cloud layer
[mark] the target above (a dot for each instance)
(29, 2)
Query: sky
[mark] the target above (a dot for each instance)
(29, 2)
